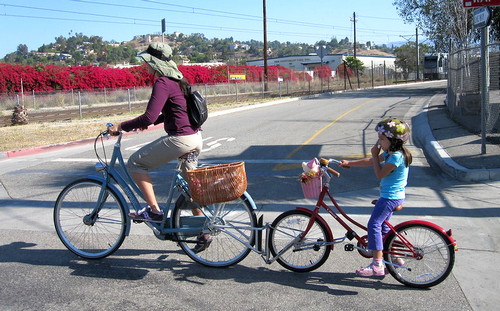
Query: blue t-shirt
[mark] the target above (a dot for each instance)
(393, 185)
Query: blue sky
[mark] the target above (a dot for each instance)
(39, 22)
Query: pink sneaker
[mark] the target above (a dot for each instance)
(371, 270)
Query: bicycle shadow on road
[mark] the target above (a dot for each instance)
(126, 264)
(329, 282)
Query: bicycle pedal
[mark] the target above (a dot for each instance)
(349, 247)
(137, 221)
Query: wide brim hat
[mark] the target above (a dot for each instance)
(159, 56)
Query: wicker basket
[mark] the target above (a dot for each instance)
(218, 183)
(312, 188)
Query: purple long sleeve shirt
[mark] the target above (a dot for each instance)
(163, 105)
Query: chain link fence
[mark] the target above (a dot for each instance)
(464, 90)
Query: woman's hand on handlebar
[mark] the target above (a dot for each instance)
(114, 130)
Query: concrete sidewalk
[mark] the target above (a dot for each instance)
(452, 148)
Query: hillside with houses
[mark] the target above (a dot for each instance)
(82, 50)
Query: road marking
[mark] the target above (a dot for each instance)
(215, 144)
(202, 161)
(280, 167)
(81, 160)
(136, 147)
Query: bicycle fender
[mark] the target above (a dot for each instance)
(430, 224)
(120, 197)
(320, 219)
(249, 198)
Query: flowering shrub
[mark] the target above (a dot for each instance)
(341, 69)
(323, 72)
(43, 78)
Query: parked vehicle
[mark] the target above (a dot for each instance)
(436, 66)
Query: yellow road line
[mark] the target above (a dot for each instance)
(281, 167)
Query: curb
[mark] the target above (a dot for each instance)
(28, 151)
(424, 139)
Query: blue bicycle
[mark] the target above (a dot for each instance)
(91, 215)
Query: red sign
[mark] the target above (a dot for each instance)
(479, 3)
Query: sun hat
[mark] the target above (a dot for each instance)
(394, 128)
(159, 56)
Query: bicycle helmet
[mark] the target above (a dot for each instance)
(394, 128)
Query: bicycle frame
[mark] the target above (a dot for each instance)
(407, 251)
(131, 190)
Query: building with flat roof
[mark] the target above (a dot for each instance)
(311, 61)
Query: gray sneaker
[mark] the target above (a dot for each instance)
(146, 214)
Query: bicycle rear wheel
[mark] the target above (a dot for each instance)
(435, 260)
(227, 230)
(87, 231)
(299, 255)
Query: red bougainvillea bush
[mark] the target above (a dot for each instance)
(46, 78)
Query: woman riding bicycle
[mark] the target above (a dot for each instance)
(167, 104)
(391, 166)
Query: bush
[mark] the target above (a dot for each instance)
(46, 78)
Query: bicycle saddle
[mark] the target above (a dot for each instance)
(396, 209)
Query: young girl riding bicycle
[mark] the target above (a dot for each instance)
(391, 166)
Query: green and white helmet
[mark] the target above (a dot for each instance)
(394, 128)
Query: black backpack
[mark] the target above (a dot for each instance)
(197, 108)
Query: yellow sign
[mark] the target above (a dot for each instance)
(237, 77)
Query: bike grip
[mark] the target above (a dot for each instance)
(333, 172)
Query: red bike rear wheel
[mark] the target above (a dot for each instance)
(428, 262)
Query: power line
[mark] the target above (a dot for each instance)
(78, 20)
(145, 22)
(72, 12)
(154, 24)
(135, 20)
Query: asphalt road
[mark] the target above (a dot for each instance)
(38, 273)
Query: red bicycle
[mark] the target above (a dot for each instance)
(417, 253)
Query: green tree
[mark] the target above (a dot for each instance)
(355, 64)
(406, 58)
(443, 21)
(334, 43)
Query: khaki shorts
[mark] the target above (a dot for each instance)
(163, 150)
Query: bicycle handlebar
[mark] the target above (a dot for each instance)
(325, 162)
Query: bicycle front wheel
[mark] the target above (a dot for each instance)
(295, 253)
(223, 235)
(89, 228)
(433, 261)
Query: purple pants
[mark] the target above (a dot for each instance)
(376, 226)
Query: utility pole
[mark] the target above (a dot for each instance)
(163, 29)
(265, 45)
(354, 21)
(418, 54)
(485, 83)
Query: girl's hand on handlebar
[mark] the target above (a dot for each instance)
(344, 164)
